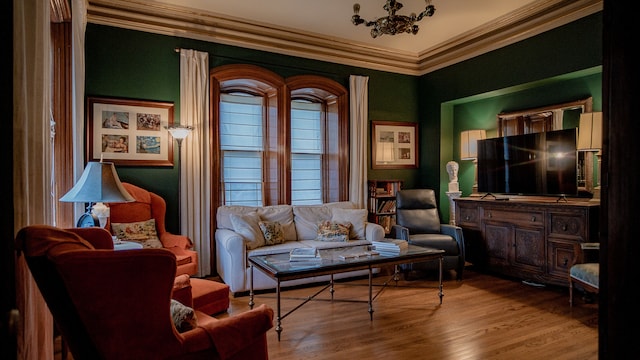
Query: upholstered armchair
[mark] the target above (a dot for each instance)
(148, 205)
(418, 222)
(117, 304)
(585, 269)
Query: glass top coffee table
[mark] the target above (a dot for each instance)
(333, 261)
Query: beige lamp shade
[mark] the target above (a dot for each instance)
(469, 143)
(99, 183)
(385, 152)
(590, 132)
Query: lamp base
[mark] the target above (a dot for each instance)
(88, 220)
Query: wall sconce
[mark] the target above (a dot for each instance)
(98, 184)
(469, 151)
(590, 140)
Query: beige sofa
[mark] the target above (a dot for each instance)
(238, 235)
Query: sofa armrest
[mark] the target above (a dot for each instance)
(373, 231)
(231, 258)
(170, 240)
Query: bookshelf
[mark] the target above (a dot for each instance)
(382, 202)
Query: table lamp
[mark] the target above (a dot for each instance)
(98, 184)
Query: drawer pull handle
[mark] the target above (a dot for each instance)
(565, 262)
(533, 219)
(490, 214)
(564, 227)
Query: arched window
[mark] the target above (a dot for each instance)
(277, 141)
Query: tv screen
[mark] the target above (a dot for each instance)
(532, 164)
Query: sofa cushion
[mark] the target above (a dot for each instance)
(356, 217)
(143, 232)
(272, 232)
(307, 217)
(247, 226)
(333, 231)
(282, 214)
(223, 214)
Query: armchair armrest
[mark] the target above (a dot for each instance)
(455, 232)
(233, 334)
(170, 240)
(400, 232)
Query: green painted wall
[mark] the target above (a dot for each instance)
(132, 64)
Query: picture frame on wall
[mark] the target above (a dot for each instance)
(394, 145)
(129, 132)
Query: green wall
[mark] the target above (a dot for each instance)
(132, 64)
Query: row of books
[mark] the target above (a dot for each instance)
(387, 206)
(390, 246)
(387, 222)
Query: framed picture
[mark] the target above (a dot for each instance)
(394, 145)
(129, 132)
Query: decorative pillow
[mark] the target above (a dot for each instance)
(184, 318)
(357, 218)
(333, 231)
(282, 214)
(272, 232)
(143, 232)
(247, 226)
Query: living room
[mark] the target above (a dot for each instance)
(445, 102)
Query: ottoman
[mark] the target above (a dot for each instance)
(210, 297)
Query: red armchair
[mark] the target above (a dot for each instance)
(116, 304)
(148, 205)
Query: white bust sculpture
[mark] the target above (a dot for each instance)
(452, 170)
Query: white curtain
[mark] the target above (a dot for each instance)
(359, 118)
(195, 204)
(32, 131)
(78, 29)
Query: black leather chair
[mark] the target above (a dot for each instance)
(418, 221)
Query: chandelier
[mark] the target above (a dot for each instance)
(393, 24)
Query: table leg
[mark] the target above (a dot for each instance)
(370, 294)
(331, 288)
(440, 293)
(251, 303)
(396, 274)
(278, 318)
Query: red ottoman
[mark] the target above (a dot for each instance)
(210, 297)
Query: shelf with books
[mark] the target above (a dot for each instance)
(382, 202)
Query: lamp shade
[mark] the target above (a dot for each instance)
(179, 132)
(590, 132)
(385, 152)
(99, 183)
(469, 143)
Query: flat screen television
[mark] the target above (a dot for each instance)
(542, 163)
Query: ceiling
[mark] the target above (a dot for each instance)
(459, 29)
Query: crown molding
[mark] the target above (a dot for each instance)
(197, 24)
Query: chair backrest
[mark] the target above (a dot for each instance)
(108, 304)
(417, 210)
(147, 205)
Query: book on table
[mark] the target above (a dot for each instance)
(390, 245)
(304, 254)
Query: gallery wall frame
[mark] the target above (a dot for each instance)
(129, 132)
(394, 145)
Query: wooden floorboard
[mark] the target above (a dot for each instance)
(482, 317)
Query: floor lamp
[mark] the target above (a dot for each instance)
(179, 133)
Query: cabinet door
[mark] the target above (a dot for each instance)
(528, 251)
(498, 239)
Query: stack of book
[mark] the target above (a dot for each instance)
(390, 246)
(304, 254)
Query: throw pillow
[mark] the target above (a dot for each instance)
(357, 218)
(143, 232)
(333, 231)
(282, 214)
(247, 226)
(272, 232)
(184, 318)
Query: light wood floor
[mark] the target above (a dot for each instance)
(482, 317)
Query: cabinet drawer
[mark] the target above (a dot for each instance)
(468, 216)
(523, 218)
(559, 258)
(572, 225)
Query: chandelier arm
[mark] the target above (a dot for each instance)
(392, 24)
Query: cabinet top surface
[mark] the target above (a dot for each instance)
(531, 201)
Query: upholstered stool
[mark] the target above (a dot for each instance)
(210, 297)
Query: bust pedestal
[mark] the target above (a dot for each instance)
(452, 205)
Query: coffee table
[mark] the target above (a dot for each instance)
(337, 260)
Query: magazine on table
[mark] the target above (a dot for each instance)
(304, 254)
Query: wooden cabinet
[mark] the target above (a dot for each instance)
(527, 238)
(382, 202)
